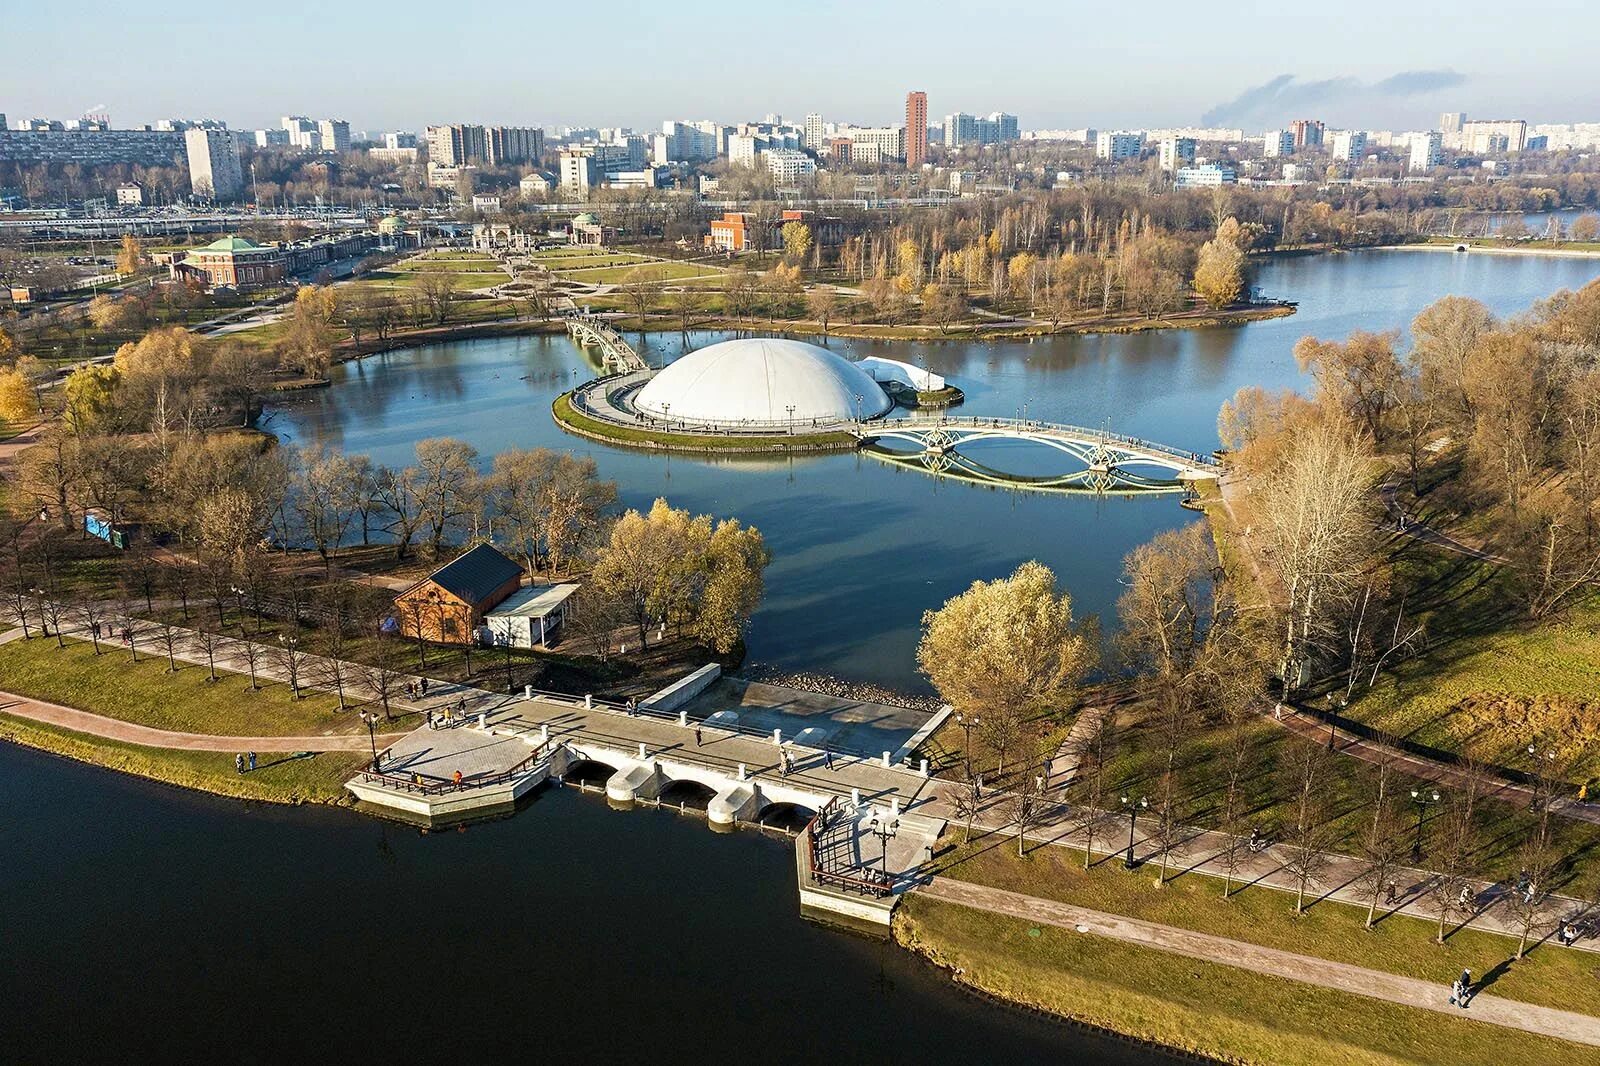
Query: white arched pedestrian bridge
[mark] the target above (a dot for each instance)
(616, 354)
(1094, 460)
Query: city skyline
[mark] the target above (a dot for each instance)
(1188, 70)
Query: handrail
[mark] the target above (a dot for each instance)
(1100, 436)
(875, 883)
(434, 786)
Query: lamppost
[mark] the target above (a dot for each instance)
(883, 829)
(1421, 798)
(371, 719)
(1133, 820)
(967, 723)
(790, 409)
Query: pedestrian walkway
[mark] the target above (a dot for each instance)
(1062, 769)
(1339, 878)
(1374, 984)
(1376, 752)
(132, 733)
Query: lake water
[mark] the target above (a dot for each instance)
(861, 550)
(147, 924)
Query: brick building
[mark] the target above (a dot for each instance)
(916, 129)
(449, 605)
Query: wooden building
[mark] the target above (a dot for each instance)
(448, 605)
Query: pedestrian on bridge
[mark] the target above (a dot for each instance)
(697, 736)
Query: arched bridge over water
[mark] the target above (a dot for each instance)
(616, 354)
(1094, 460)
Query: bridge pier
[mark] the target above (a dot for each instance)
(634, 783)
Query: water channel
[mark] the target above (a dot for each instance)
(861, 549)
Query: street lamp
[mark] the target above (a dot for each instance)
(371, 719)
(1421, 798)
(967, 723)
(1133, 820)
(883, 829)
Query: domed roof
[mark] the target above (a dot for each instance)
(762, 379)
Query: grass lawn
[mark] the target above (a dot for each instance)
(1499, 691)
(573, 250)
(396, 279)
(654, 272)
(1212, 1009)
(277, 778)
(110, 684)
(1548, 975)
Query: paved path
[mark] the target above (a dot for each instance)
(1062, 769)
(1426, 534)
(1375, 984)
(1376, 751)
(130, 733)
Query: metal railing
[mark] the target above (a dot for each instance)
(870, 881)
(1034, 425)
(431, 786)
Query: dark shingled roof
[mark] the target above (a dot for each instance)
(475, 574)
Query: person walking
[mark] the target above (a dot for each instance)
(697, 736)
(251, 757)
(827, 758)
(1391, 893)
(1465, 981)
(456, 777)
(238, 764)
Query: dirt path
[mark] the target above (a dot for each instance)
(1375, 984)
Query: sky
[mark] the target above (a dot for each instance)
(404, 64)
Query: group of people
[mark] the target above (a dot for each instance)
(244, 763)
(449, 716)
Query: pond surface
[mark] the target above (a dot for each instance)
(861, 549)
(147, 924)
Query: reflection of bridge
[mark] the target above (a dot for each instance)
(616, 354)
(1103, 461)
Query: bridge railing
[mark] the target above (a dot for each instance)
(1085, 433)
(420, 784)
(640, 710)
(869, 881)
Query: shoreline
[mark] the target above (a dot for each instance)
(1006, 329)
(906, 939)
(1454, 248)
(160, 765)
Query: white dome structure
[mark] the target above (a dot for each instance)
(762, 379)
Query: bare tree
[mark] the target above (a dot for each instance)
(381, 672)
(252, 653)
(1455, 855)
(967, 800)
(1025, 807)
(211, 642)
(1529, 900)
(290, 656)
(1092, 761)
(1237, 757)
(1167, 833)
(93, 614)
(1307, 835)
(1381, 843)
